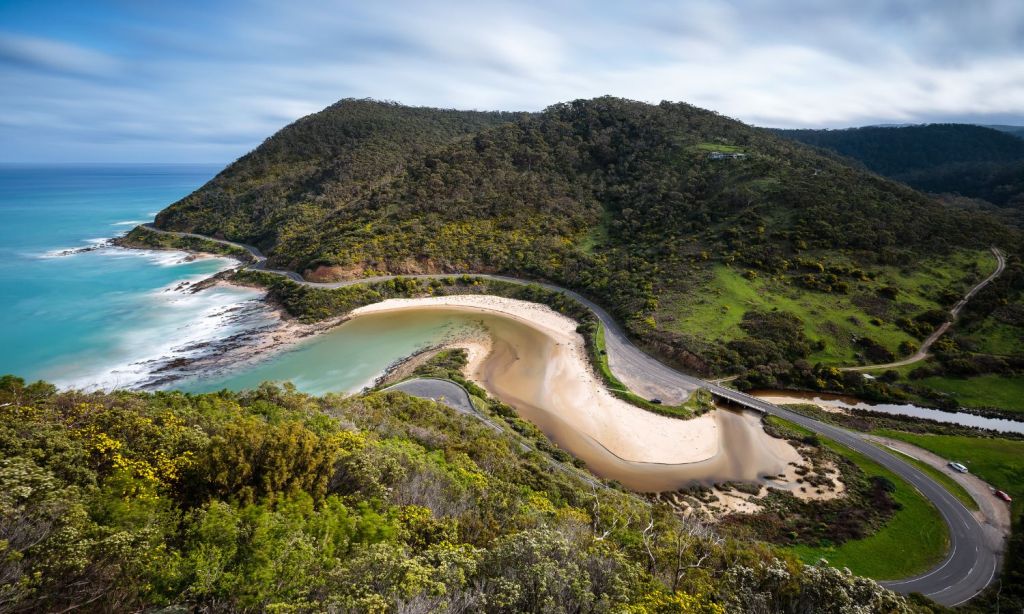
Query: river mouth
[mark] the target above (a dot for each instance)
(527, 370)
(844, 403)
(536, 364)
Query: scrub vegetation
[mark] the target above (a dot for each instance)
(882, 528)
(141, 237)
(272, 500)
(975, 161)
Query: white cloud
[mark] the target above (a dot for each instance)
(219, 83)
(35, 53)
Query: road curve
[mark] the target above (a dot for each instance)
(972, 560)
(954, 313)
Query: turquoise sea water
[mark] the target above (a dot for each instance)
(105, 317)
(111, 318)
(351, 356)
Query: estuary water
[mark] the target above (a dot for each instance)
(519, 372)
(349, 357)
(79, 314)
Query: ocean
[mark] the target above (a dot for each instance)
(81, 314)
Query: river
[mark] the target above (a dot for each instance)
(840, 402)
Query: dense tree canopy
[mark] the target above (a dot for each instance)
(973, 161)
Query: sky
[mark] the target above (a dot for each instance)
(188, 81)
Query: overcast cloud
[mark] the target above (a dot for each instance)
(190, 81)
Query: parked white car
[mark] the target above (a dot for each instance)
(958, 467)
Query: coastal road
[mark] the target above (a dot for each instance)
(954, 313)
(974, 556)
(442, 391)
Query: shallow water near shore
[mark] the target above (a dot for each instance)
(349, 357)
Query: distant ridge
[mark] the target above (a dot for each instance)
(965, 159)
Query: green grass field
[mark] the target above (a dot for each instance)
(709, 147)
(1005, 392)
(913, 540)
(999, 462)
(999, 338)
(982, 391)
(716, 310)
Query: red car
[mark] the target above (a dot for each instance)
(1005, 497)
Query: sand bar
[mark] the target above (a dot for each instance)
(567, 382)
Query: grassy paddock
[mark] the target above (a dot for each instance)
(983, 391)
(716, 310)
(1000, 462)
(913, 540)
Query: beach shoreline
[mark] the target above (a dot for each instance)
(569, 382)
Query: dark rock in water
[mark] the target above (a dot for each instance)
(82, 250)
(212, 280)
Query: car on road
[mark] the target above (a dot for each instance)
(958, 467)
(1005, 497)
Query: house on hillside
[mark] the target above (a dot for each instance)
(719, 155)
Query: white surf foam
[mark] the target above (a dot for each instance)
(183, 326)
(62, 252)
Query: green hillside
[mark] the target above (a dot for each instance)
(316, 163)
(626, 202)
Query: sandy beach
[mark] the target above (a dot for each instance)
(569, 383)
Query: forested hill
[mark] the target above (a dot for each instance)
(318, 162)
(622, 200)
(974, 161)
(1017, 131)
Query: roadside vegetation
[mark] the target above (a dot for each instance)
(998, 461)
(881, 528)
(272, 500)
(997, 458)
(699, 402)
(947, 482)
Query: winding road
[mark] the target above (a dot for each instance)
(974, 554)
(954, 313)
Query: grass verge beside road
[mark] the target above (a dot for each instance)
(912, 541)
(949, 483)
(1000, 462)
(699, 402)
